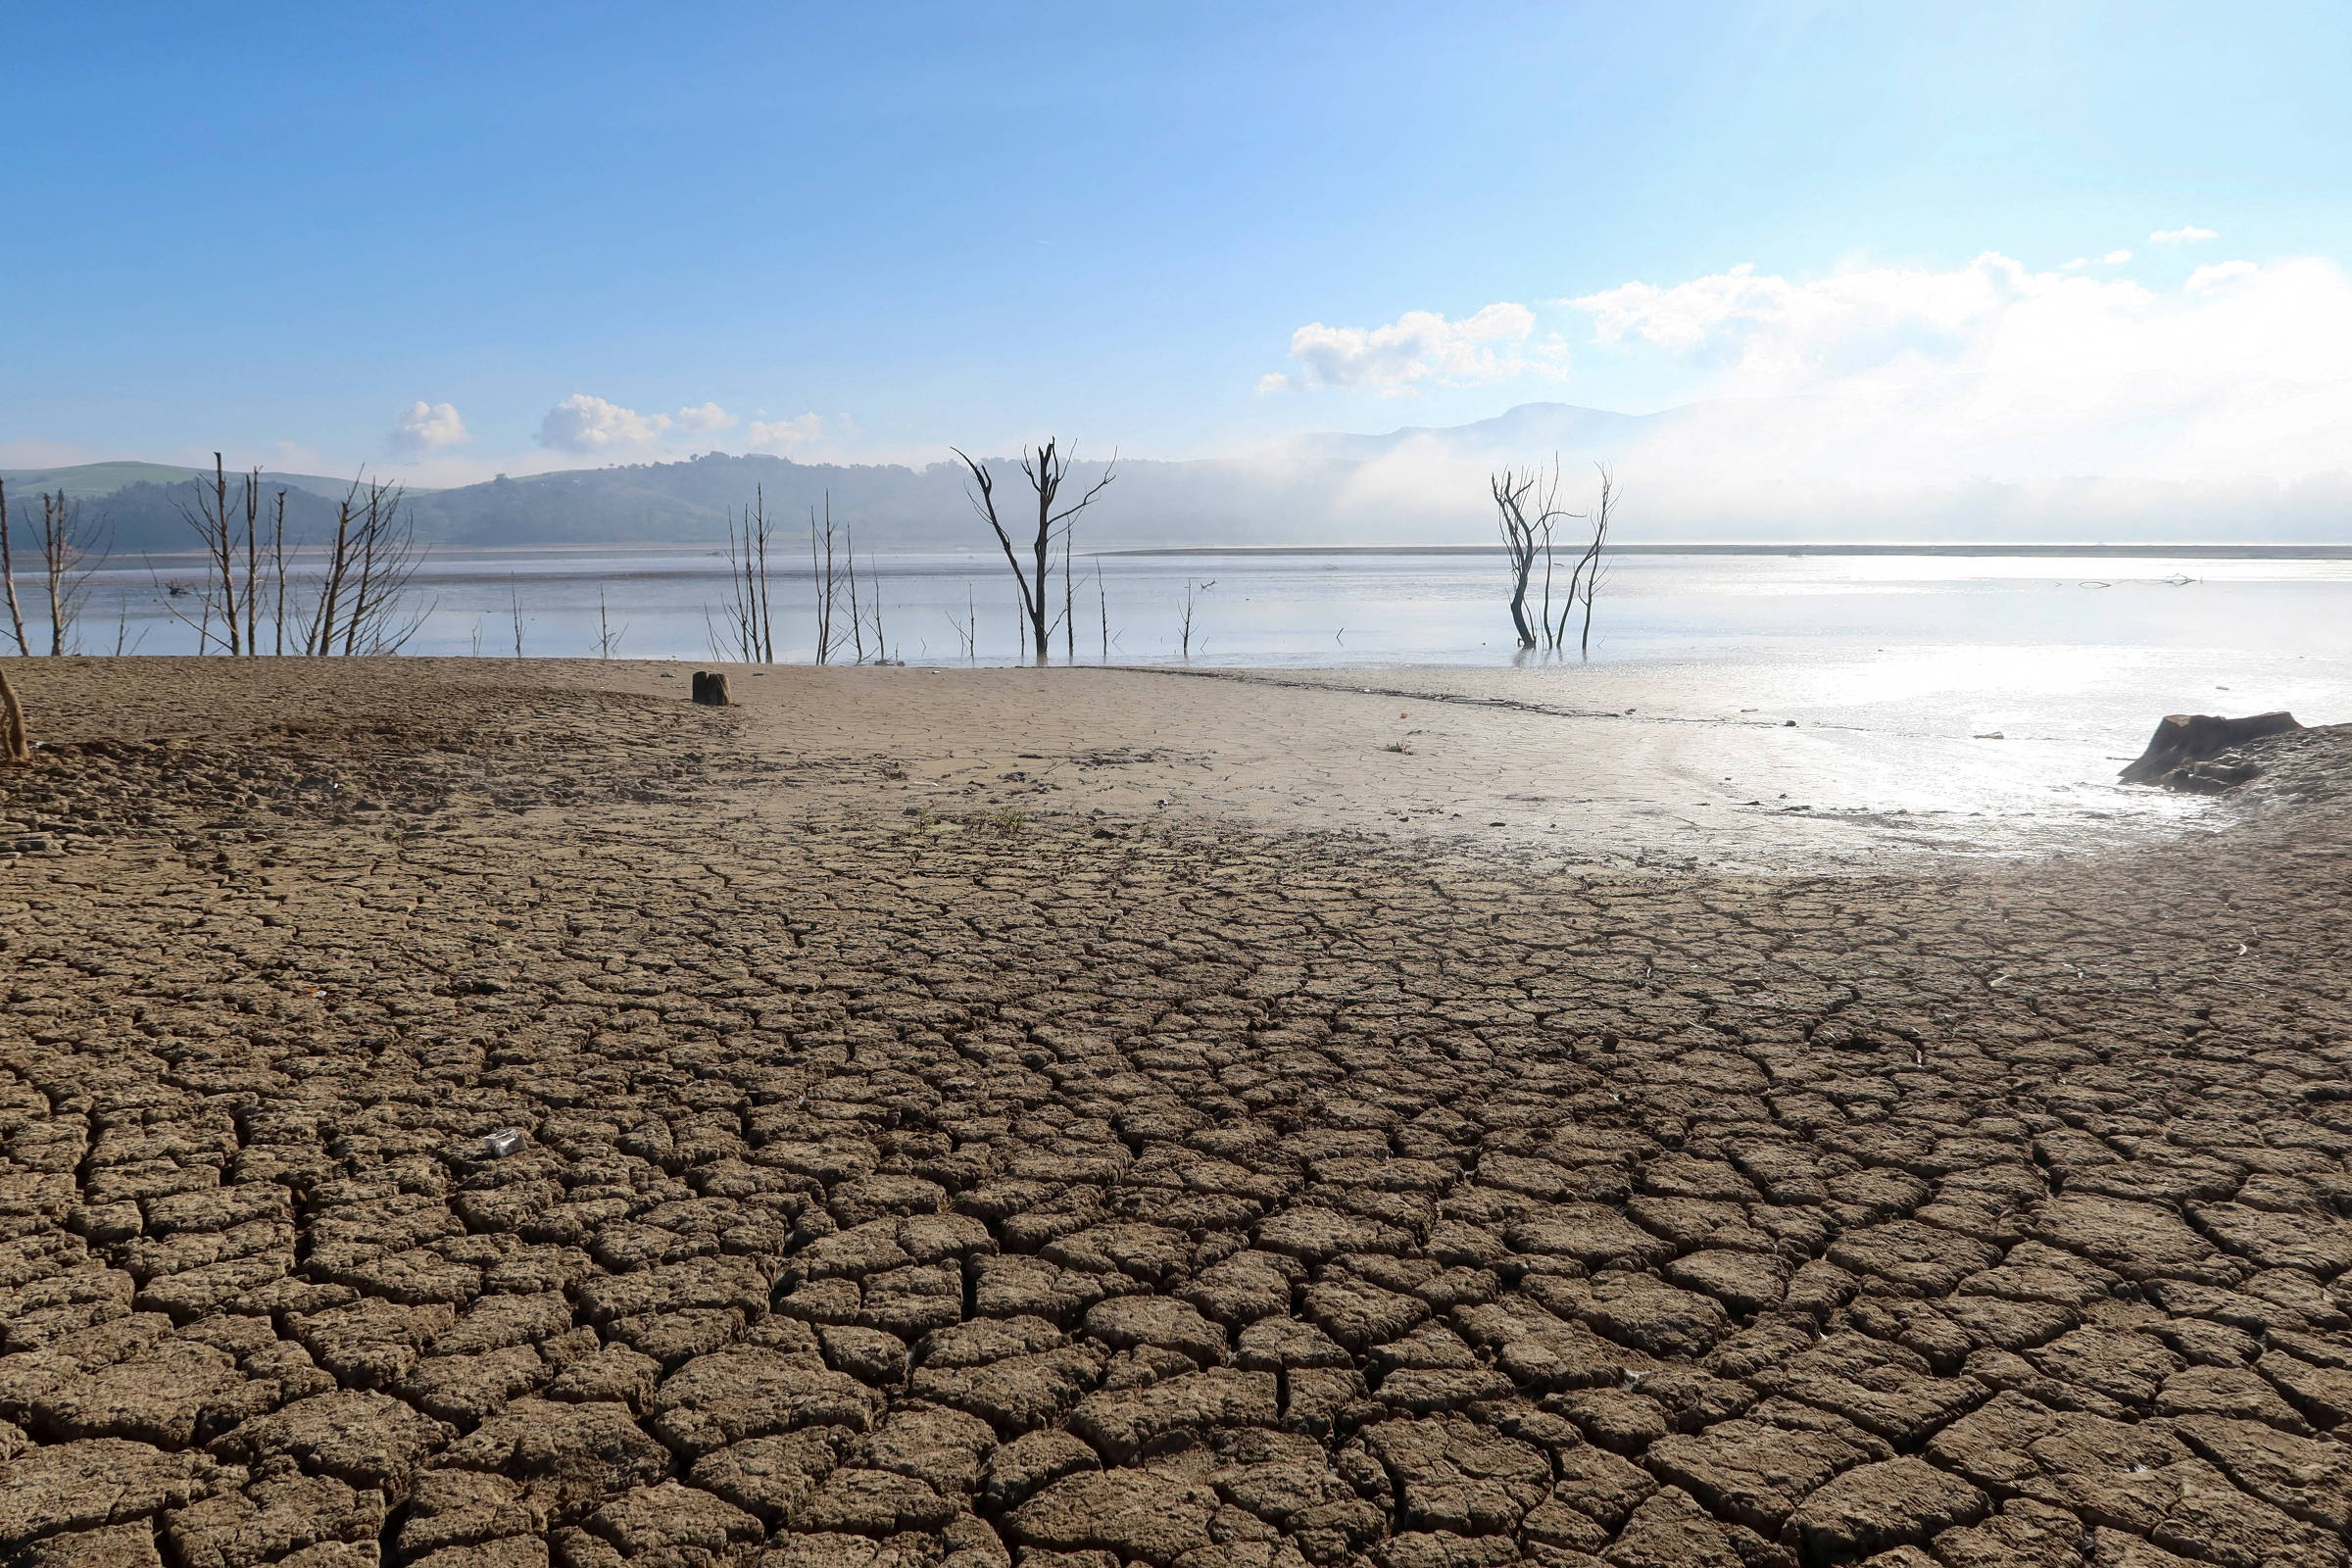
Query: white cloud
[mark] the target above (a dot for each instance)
(2115, 257)
(782, 437)
(706, 417)
(2214, 277)
(1419, 346)
(1902, 378)
(2187, 234)
(584, 423)
(424, 428)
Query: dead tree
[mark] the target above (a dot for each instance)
(8, 576)
(1045, 470)
(1584, 578)
(822, 574)
(216, 532)
(1530, 520)
(66, 562)
(370, 563)
(16, 746)
(1191, 590)
(750, 634)
(1591, 564)
(1522, 502)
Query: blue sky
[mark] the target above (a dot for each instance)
(869, 231)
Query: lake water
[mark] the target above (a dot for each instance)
(1980, 688)
(1346, 609)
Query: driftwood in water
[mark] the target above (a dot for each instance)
(2182, 739)
(710, 688)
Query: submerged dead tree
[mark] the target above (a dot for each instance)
(1588, 566)
(749, 633)
(359, 608)
(1046, 470)
(67, 562)
(1530, 520)
(8, 576)
(1523, 499)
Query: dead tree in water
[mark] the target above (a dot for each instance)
(1586, 575)
(822, 572)
(750, 637)
(8, 576)
(370, 561)
(65, 566)
(1045, 470)
(226, 597)
(1529, 521)
(1522, 502)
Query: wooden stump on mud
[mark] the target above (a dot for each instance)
(710, 688)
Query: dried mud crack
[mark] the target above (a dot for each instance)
(1072, 1194)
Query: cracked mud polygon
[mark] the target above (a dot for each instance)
(1011, 1186)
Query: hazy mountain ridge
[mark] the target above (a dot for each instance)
(1723, 471)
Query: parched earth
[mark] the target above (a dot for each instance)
(891, 1191)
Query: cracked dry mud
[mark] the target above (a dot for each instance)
(1092, 1195)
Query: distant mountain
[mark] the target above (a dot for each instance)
(1754, 470)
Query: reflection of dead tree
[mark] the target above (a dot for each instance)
(369, 563)
(750, 634)
(1045, 470)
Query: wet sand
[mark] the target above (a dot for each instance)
(1078, 1118)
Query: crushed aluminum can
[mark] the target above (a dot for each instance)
(501, 1143)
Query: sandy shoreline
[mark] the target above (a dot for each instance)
(1067, 1118)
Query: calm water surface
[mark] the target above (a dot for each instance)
(1345, 611)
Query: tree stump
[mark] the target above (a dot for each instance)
(710, 688)
(2184, 738)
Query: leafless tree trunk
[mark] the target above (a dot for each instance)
(750, 637)
(16, 745)
(1588, 566)
(63, 550)
(849, 550)
(253, 565)
(216, 531)
(277, 556)
(1045, 470)
(370, 561)
(607, 638)
(8, 575)
(822, 572)
(1190, 590)
(1522, 502)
